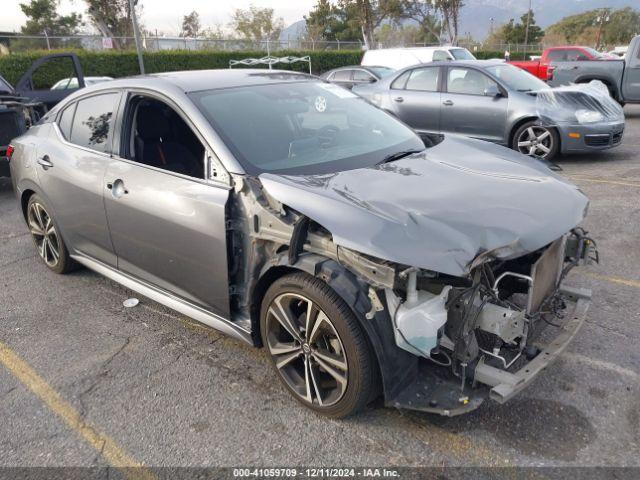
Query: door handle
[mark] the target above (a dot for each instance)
(45, 162)
(117, 188)
(398, 99)
(448, 103)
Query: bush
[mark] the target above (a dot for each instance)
(125, 63)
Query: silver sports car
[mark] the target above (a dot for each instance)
(289, 213)
(498, 102)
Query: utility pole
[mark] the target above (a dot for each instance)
(136, 33)
(526, 32)
(601, 19)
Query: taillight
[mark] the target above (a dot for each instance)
(550, 73)
(10, 150)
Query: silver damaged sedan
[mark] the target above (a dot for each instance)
(292, 215)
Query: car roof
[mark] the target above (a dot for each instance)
(458, 63)
(198, 80)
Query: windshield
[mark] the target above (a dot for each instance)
(517, 79)
(461, 54)
(381, 71)
(303, 128)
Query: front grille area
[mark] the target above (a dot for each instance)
(617, 137)
(599, 140)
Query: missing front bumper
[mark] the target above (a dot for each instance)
(505, 384)
(436, 390)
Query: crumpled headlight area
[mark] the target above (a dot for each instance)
(588, 116)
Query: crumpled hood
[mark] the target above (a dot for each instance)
(439, 209)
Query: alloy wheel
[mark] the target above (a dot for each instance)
(306, 349)
(535, 140)
(44, 234)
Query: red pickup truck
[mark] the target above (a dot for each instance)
(543, 70)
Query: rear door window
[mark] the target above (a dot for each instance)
(557, 55)
(400, 82)
(440, 55)
(92, 123)
(424, 79)
(362, 76)
(342, 75)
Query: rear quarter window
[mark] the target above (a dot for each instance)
(65, 120)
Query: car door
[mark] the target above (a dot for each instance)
(48, 71)
(468, 110)
(168, 229)
(415, 98)
(631, 78)
(71, 165)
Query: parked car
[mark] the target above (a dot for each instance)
(17, 114)
(619, 52)
(72, 82)
(349, 76)
(289, 213)
(542, 67)
(490, 100)
(396, 58)
(22, 106)
(622, 77)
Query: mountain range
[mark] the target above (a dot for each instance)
(476, 15)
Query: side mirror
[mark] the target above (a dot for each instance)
(492, 91)
(372, 80)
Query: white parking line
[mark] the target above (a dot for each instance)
(602, 365)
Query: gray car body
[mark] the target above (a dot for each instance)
(622, 77)
(491, 118)
(456, 205)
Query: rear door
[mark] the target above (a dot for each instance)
(56, 70)
(71, 165)
(415, 98)
(168, 229)
(467, 110)
(631, 78)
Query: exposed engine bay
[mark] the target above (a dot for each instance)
(446, 340)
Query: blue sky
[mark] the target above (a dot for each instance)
(164, 16)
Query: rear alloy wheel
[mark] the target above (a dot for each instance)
(536, 140)
(316, 346)
(45, 235)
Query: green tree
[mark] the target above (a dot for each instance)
(517, 32)
(450, 12)
(330, 22)
(190, 25)
(256, 23)
(42, 17)
(583, 28)
(112, 18)
(424, 12)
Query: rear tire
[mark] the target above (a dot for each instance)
(46, 237)
(317, 346)
(533, 139)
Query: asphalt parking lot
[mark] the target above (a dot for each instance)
(87, 382)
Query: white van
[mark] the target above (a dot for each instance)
(398, 58)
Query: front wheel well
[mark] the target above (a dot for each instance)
(521, 122)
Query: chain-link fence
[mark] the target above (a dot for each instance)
(152, 43)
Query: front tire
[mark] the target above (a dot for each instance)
(46, 237)
(317, 346)
(533, 139)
